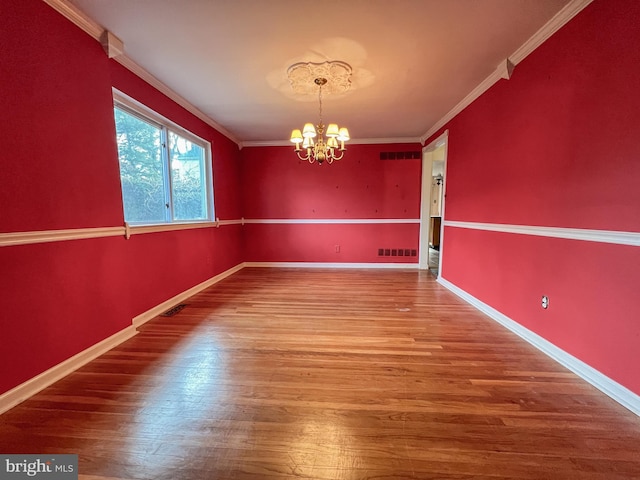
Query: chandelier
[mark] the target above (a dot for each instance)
(314, 143)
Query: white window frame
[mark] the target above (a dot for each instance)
(130, 105)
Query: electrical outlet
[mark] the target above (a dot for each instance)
(337, 248)
(545, 302)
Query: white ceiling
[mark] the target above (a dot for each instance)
(413, 60)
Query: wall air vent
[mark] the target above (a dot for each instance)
(397, 252)
(399, 155)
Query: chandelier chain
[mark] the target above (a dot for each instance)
(320, 102)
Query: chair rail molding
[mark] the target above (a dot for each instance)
(602, 236)
(44, 236)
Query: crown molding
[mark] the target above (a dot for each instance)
(357, 141)
(503, 70)
(112, 45)
(466, 101)
(266, 143)
(377, 141)
(505, 67)
(560, 19)
(99, 33)
(136, 69)
(77, 17)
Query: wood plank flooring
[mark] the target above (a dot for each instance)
(327, 374)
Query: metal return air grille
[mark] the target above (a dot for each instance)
(173, 310)
(399, 155)
(397, 252)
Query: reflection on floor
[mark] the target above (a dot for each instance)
(327, 374)
(434, 260)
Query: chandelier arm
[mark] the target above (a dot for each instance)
(333, 155)
(305, 157)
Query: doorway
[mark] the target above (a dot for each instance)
(434, 158)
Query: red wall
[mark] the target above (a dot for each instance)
(60, 170)
(557, 145)
(277, 185)
(55, 96)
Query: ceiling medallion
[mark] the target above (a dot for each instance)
(302, 76)
(327, 77)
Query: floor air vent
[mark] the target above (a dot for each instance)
(173, 310)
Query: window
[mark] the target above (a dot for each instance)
(164, 170)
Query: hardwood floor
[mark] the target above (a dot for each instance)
(325, 374)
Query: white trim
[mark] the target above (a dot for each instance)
(141, 110)
(437, 142)
(111, 44)
(443, 208)
(44, 236)
(425, 202)
(95, 30)
(238, 221)
(425, 207)
(167, 304)
(506, 69)
(353, 141)
(569, 11)
(334, 221)
(32, 386)
(602, 236)
(167, 227)
(413, 266)
(136, 69)
(77, 17)
(619, 393)
(132, 107)
(29, 388)
(560, 19)
(465, 102)
(385, 140)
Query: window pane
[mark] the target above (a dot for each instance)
(140, 153)
(188, 189)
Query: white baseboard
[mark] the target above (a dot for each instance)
(29, 388)
(173, 301)
(330, 265)
(619, 393)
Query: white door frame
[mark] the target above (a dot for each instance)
(425, 200)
